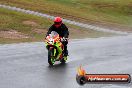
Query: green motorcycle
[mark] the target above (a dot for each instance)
(55, 48)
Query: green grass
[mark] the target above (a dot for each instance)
(101, 11)
(9, 41)
(12, 20)
(79, 33)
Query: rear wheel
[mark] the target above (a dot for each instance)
(63, 61)
(51, 59)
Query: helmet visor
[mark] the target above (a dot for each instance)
(57, 23)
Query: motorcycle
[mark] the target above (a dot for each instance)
(55, 48)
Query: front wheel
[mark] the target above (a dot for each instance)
(51, 59)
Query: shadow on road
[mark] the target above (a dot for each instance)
(58, 66)
(57, 74)
(57, 70)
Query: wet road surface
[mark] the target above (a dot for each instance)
(25, 65)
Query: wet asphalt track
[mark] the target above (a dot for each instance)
(25, 65)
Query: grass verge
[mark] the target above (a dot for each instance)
(113, 12)
(35, 27)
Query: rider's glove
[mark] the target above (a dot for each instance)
(63, 39)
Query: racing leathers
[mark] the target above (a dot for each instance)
(63, 32)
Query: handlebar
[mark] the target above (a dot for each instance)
(63, 39)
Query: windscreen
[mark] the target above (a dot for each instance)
(53, 34)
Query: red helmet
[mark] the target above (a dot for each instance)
(57, 21)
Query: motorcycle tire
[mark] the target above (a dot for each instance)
(51, 61)
(63, 61)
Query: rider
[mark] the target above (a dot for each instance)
(62, 30)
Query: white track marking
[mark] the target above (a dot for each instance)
(88, 26)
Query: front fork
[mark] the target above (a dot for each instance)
(56, 57)
(54, 52)
(60, 51)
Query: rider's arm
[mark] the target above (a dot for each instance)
(66, 32)
(50, 30)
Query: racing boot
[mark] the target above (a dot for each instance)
(65, 51)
